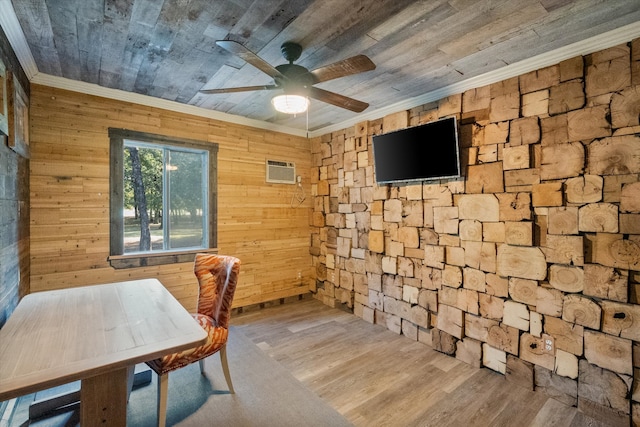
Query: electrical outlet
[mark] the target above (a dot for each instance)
(548, 345)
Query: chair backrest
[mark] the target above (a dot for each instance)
(218, 277)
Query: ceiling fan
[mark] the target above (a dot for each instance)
(296, 79)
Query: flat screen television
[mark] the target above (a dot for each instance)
(426, 152)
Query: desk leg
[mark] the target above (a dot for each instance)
(131, 372)
(103, 399)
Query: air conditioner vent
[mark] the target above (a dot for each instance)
(281, 172)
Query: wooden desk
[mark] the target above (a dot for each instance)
(95, 334)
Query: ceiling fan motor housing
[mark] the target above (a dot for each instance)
(296, 76)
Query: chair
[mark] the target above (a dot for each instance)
(217, 277)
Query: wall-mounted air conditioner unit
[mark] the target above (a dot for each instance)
(281, 172)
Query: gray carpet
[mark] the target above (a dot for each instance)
(266, 395)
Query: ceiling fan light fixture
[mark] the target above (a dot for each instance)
(290, 104)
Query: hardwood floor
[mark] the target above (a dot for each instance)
(375, 377)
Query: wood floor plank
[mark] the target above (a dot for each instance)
(554, 414)
(375, 377)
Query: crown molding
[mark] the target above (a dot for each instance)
(165, 104)
(11, 26)
(15, 35)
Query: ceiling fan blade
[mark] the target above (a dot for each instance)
(249, 57)
(346, 67)
(337, 99)
(238, 89)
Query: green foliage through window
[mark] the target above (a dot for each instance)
(164, 197)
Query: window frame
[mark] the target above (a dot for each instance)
(117, 258)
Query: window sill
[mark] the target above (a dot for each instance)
(159, 258)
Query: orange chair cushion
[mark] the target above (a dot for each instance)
(216, 339)
(217, 277)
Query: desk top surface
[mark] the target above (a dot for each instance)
(60, 336)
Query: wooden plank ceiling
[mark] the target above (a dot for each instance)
(166, 49)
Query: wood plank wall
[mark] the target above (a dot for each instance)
(530, 264)
(14, 230)
(70, 198)
(14, 208)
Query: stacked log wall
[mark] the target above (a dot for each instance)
(530, 263)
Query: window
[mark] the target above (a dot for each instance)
(163, 198)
